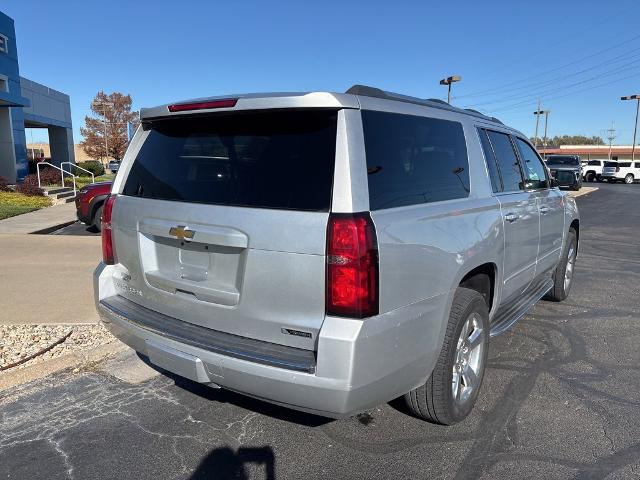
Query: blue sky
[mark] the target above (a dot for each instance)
(579, 57)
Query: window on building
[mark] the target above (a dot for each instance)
(4, 44)
(4, 86)
(413, 160)
(507, 161)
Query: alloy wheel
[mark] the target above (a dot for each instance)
(468, 360)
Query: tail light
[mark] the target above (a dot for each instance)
(108, 256)
(352, 266)
(617, 169)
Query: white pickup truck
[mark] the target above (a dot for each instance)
(592, 170)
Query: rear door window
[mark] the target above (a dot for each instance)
(413, 160)
(280, 160)
(534, 171)
(595, 163)
(490, 159)
(507, 161)
(624, 164)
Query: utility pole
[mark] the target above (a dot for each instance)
(611, 136)
(537, 113)
(544, 140)
(448, 81)
(635, 129)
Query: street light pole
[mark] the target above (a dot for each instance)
(635, 129)
(448, 81)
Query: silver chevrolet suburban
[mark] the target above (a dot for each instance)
(329, 252)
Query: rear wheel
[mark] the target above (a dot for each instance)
(590, 177)
(450, 393)
(629, 178)
(563, 274)
(97, 219)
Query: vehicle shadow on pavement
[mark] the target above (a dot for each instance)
(225, 463)
(242, 401)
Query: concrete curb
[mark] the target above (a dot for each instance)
(583, 191)
(76, 359)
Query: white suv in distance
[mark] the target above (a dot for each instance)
(592, 170)
(616, 170)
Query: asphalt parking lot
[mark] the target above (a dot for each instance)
(560, 400)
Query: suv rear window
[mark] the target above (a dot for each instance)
(563, 160)
(280, 160)
(413, 160)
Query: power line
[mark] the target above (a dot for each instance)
(574, 62)
(570, 36)
(537, 93)
(623, 57)
(529, 102)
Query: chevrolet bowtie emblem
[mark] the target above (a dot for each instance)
(182, 232)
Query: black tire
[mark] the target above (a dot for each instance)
(598, 179)
(629, 179)
(560, 291)
(97, 219)
(590, 177)
(434, 400)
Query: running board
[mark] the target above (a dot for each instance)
(511, 313)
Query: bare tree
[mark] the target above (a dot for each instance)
(106, 133)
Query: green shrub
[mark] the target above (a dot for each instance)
(93, 166)
(29, 186)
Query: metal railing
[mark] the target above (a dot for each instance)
(93, 178)
(62, 172)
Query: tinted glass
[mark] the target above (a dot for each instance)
(624, 164)
(490, 159)
(610, 164)
(563, 160)
(272, 159)
(507, 161)
(534, 171)
(413, 160)
(596, 163)
(637, 164)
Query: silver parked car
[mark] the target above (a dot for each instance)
(329, 252)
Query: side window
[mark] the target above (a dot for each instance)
(534, 171)
(637, 164)
(507, 161)
(413, 160)
(492, 167)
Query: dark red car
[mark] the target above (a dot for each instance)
(89, 203)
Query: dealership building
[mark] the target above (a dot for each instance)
(27, 104)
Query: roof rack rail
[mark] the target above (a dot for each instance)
(368, 91)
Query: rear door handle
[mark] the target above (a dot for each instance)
(544, 210)
(511, 217)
